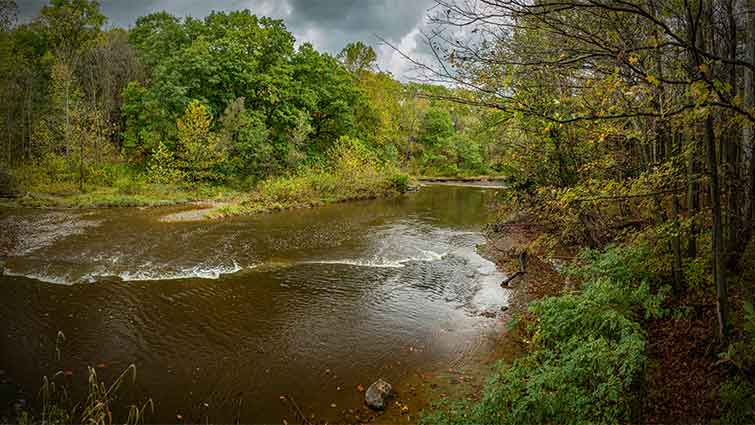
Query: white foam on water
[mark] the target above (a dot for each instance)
(58, 280)
(428, 256)
(200, 271)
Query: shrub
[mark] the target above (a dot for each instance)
(108, 174)
(737, 402)
(738, 393)
(50, 173)
(162, 166)
(399, 181)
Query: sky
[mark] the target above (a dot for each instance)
(328, 24)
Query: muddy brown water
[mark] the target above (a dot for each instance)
(222, 318)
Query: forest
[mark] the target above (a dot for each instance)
(119, 116)
(622, 130)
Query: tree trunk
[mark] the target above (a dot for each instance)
(732, 150)
(722, 301)
(676, 243)
(693, 198)
(747, 129)
(717, 236)
(8, 132)
(66, 133)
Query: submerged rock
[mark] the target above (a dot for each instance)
(377, 394)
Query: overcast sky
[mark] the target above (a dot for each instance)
(328, 24)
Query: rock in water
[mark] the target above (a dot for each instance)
(377, 394)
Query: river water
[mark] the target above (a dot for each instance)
(222, 318)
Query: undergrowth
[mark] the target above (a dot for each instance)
(349, 172)
(586, 356)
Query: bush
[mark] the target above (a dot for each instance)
(738, 393)
(737, 402)
(587, 356)
(162, 166)
(50, 173)
(399, 182)
(108, 174)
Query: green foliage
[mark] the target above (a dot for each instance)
(70, 24)
(162, 167)
(587, 353)
(399, 181)
(349, 171)
(49, 173)
(246, 137)
(737, 402)
(436, 127)
(128, 186)
(738, 393)
(199, 153)
(279, 106)
(357, 57)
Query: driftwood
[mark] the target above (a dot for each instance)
(522, 269)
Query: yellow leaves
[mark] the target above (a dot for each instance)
(699, 90)
(547, 130)
(633, 59)
(195, 122)
(652, 80)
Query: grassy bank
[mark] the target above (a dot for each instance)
(316, 187)
(307, 189)
(348, 172)
(146, 195)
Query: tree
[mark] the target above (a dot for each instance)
(199, 152)
(358, 57)
(8, 14)
(436, 127)
(71, 24)
(246, 137)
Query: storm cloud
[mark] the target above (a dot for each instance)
(328, 24)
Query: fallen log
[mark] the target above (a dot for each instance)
(522, 269)
(506, 282)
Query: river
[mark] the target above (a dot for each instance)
(222, 318)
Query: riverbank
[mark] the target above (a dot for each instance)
(611, 315)
(428, 392)
(425, 391)
(305, 190)
(139, 195)
(464, 179)
(214, 202)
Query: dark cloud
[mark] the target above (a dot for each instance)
(328, 24)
